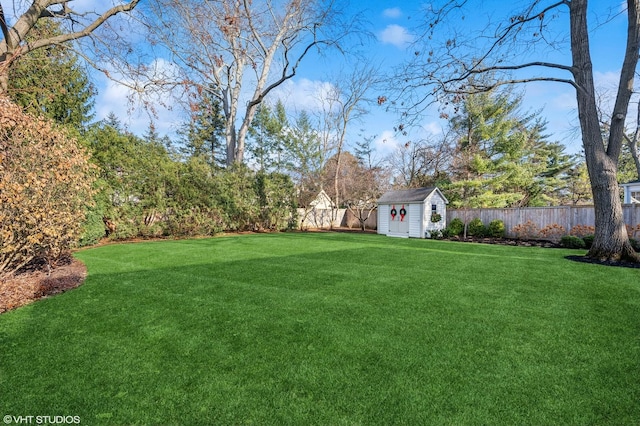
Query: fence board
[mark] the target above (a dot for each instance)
(565, 216)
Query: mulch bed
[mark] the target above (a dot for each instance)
(507, 242)
(29, 285)
(620, 264)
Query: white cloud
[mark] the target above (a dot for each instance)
(396, 35)
(302, 94)
(393, 13)
(386, 143)
(433, 128)
(607, 81)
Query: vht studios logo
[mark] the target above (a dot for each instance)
(41, 420)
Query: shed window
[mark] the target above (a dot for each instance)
(434, 208)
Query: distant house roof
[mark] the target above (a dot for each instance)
(322, 201)
(633, 182)
(409, 195)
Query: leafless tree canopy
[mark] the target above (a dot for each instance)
(18, 18)
(238, 49)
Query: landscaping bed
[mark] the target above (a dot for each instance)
(28, 285)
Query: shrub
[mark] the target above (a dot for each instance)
(436, 234)
(588, 241)
(496, 229)
(193, 222)
(476, 228)
(633, 231)
(526, 230)
(582, 230)
(572, 242)
(635, 244)
(553, 232)
(455, 228)
(45, 185)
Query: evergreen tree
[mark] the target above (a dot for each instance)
(268, 137)
(203, 136)
(502, 157)
(51, 81)
(305, 157)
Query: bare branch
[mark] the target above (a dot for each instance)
(86, 31)
(14, 45)
(625, 86)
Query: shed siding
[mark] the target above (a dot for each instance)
(440, 209)
(415, 220)
(383, 219)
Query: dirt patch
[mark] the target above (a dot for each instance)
(27, 286)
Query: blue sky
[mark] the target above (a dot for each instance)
(393, 25)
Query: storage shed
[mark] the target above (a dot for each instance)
(412, 212)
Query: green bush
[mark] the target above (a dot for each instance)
(496, 229)
(588, 241)
(455, 228)
(476, 228)
(572, 242)
(436, 234)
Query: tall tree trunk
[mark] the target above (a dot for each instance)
(336, 186)
(231, 143)
(242, 136)
(611, 241)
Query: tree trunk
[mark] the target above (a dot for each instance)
(611, 241)
(231, 144)
(336, 186)
(242, 135)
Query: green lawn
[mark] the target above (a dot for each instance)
(329, 329)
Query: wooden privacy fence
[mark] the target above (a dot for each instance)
(546, 217)
(321, 218)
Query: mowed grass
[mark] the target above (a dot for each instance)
(329, 329)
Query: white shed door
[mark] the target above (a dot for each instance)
(399, 220)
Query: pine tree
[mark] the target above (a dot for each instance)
(203, 135)
(52, 82)
(269, 132)
(502, 156)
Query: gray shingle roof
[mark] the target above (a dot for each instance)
(406, 195)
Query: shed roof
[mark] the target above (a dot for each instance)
(409, 195)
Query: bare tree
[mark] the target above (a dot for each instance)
(228, 46)
(449, 71)
(421, 163)
(344, 103)
(79, 24)
(364, 186)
